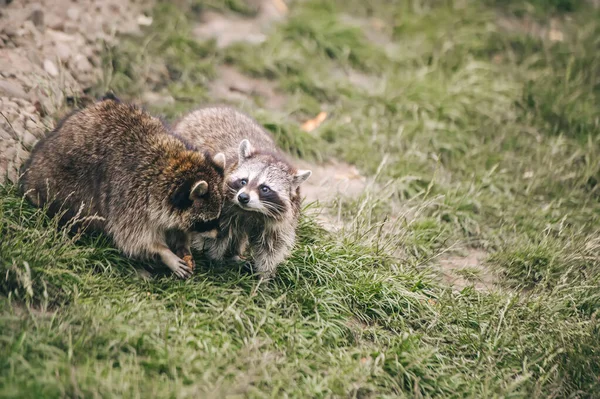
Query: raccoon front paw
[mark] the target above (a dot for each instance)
(186, 255)
(182, 269)
(262, 274)
(177, 265)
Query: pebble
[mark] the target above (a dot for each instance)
(153, 98)
(29, 139)
(12, 89)
(63, 51)
(37, 17)
(143, 20)
(73, 13)
(50, 68)
(82, 64)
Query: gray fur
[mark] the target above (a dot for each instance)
(112, 167)
(267, 226)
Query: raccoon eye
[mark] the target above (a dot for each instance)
(265, 189)
(243, 182)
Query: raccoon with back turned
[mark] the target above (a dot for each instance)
(112, 167)
(262, 188)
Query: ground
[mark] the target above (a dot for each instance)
(449, 244)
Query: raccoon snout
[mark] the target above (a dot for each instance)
(244, 198)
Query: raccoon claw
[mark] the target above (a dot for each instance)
(182, 270)
(177, 265)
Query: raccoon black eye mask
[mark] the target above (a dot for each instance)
(262, 191)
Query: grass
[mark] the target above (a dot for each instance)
(472, 136)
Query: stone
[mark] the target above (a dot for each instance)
(82, 64)
(50, 68)
(153, 98)
(73, 13)
(12, 89)
(62, 51)
(29, 140)
(54, 22)
(37, 17)
(143, 20)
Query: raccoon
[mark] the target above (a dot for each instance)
(112, 167)
(262, 193)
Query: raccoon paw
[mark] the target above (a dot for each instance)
(178, 266)
(186, 255)
(252, 269)
(183, 269)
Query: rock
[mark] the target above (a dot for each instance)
(153, 98)
(37, 17)
(50, 68)
(58, 36)
(73, 13)
(12, 89)
(29, 140)
(82, 64)
(9, 31)
(62, 51)
(54, 22)
(34, 126)
(143, 20)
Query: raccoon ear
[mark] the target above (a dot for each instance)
(301, 176)
(198, 189)
(219, 160)
(245, 150)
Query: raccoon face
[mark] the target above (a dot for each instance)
(199, 197)
(263, 183)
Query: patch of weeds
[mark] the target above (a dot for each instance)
(315, 27)
(561, 86)
(243, 7)
(167, 57)
(290, 138)
(538, 8)
(41, 263)
(469, 273)
(529, 265)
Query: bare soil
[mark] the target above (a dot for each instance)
(468, 269)
(50, 51)
(228, 28)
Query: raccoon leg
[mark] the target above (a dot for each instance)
(237, 247)
(180, 243)
(174, 262)
(271, 248)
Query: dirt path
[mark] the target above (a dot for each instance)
(50, 52)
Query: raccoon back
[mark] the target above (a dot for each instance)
(221, 129)
(94, 156)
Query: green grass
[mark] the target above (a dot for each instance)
(472, 136)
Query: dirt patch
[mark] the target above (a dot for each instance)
(374, 30)
(230, 28)
(233, 86)
(468, 269)
(553, 30)
(329, 181)
(51, 50)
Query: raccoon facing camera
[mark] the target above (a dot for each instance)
(262, 188)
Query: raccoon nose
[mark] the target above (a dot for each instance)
(244, 198)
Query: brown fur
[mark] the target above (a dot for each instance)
(118, 167)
